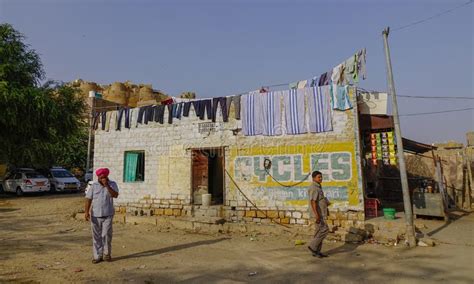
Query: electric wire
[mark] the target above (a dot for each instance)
(251, 202)
(436, 112)
(432, 17)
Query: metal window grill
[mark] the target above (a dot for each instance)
(208, 127)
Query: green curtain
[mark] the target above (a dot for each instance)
(131, 163)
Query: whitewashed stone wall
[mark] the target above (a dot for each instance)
(167, 186)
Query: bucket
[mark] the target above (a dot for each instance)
(206, 199)
(389, 213)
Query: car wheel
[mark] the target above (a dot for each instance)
(19, 192)
(52, 188)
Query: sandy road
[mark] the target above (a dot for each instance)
(41, 242)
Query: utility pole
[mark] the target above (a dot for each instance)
(410, 232)
(91, 119)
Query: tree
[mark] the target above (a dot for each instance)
(20, 66)
(36, 122)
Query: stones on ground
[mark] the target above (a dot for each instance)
(426, 242)
(386, 236)
(253, 273)
(78, 269)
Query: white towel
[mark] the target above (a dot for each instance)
(295, 111)
(319, 109)
(271, 106)
(252, 113)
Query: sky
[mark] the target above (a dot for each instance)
(219, 48)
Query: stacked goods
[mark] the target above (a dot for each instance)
(134, 96)
(117, 93)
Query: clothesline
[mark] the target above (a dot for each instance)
(339, 74)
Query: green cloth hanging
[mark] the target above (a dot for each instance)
(131, 164)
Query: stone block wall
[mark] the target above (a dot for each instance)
(168, 176)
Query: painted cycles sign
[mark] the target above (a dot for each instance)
(291, 168)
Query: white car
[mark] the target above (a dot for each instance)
(25, 181)
(62, 180)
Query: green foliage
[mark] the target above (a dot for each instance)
(19, 65)
(39, 126)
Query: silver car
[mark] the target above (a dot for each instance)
(25, 181)
(61, 179)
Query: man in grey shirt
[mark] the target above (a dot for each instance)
(318, 207)
(100, 211)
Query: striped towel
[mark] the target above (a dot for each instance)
(271, 106)
(319, 109)
(252, 114)
(340, 98)
(295, 112)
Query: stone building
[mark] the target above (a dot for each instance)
(178, 162)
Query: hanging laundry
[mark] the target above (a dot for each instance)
(127, 117)
(252, 114)
(120, 115)
(141, 114)
(340, 98)
(236, 101)
(337, 76)
(203, 106)
(103, 119)
(160, 113)
(350, 67)
(223, 103)
(325, 78)
(293, 85)
(179, 111)
(168, 101)
(271, 106)
(108, 118)
(133, 117)
(302, 84)
(186, 108)
(361, 63)
(95, 120)
(319, 109)
(171, 108)
(149, 113)
(295, 112)
(314, 81)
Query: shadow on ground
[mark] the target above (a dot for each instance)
(169, 249)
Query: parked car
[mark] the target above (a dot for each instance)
(88, 176)
(25, 180)
(61, 179)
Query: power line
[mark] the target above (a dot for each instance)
(434, 97)
(435, 112)
(433, 16)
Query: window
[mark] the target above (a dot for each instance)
(61, 174)
(134, 166)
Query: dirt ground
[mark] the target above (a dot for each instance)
(41, 242)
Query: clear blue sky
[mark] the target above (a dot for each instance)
(218, 48)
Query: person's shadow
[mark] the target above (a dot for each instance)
(168, 249)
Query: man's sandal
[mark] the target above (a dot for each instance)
(107, 257)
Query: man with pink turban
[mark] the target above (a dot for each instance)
(100, 211)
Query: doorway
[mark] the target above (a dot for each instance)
(208, 175)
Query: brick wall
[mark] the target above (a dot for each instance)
(167, 186)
